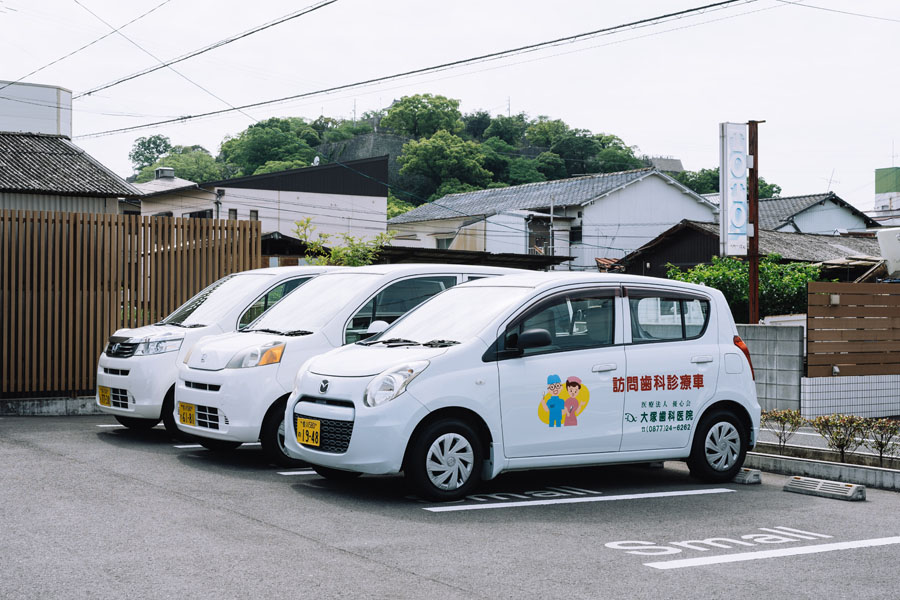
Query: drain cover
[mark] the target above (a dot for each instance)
(825, 489)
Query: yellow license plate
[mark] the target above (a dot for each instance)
(308, 432)
(187, 413)
(103, 394)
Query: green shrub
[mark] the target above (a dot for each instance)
(884, 437)
(842, 433)
(783, 424)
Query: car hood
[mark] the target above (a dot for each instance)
(359, 361)
(152, 331)
(213, 353)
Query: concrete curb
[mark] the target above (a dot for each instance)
(49, 407)
(874, 477)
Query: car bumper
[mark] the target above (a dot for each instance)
(354, 438)
(138, 385)
(229, 404)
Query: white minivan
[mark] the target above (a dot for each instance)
(232, 388)
(533, 371)
(137, 370)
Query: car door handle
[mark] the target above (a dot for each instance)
(705, 358)
(604, 367)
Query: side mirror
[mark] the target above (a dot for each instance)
(376, 327)
(534, 338)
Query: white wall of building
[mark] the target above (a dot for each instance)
(826, 219)
(33, 108)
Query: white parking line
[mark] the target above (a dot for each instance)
(576, 500)
(304, 472)
(111, 425)
(191, 446)
(745, 556)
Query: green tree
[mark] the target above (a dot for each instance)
(545, 132)
(524, 170)
(443, 157)
(271, 140)
(706, 181)
(148, 150)
(423, 115)
(273, 166)
(340, 250)
(551, 166)
(509, 129)
(474, 124)
(396, 206)
(452, 186)
(576, 149)
(497, 157)
(193, 163)
(782, 287)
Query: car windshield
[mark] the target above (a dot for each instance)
(313, 304)
(456, 315)
(214, 302)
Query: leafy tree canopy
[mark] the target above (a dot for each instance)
(273, 166)
(782, 287)
(509, 129)
(497, 157)
(551, 165)
(396, 206)
(545, 132)
(193, 163)
(261, 143)
(148, 150)
(525, 170)
(341, 250)
(444, 157)
(706, 181)
(474, 124)
(423, 115)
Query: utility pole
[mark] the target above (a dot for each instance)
(753, 209)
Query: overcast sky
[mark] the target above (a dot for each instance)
(825, 82)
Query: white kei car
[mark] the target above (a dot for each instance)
(137, 370)
(533, 371)
(232, 388)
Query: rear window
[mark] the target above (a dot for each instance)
(662, 317)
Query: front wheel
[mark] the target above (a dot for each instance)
(271, 437)
(136, 423)
(445, 461)
(720, 446)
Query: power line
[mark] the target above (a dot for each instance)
(212, 46)
(148, 53)
(843, 12)
(441, 67)
(88, 45)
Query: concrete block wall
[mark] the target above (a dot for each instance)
(777, 355)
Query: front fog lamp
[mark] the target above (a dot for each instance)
(150, 346)
(257, 356)
(391, 383)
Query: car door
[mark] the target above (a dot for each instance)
(673, 367)
(557, 398)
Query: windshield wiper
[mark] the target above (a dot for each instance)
(440, 343)
(275, 331)
(297, 332)
(397, 342)
(194, 325)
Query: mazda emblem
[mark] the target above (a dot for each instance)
(323, 387)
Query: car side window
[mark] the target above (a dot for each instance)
(575, 321)
(658, 317)
(395, 300)
(268, 300)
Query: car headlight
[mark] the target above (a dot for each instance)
(391, 383)
(148, 346)
(257, 356)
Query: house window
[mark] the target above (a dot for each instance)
(167, 213)
(575, 234)
(199, 214)
(232, 214)
(254, 215)
(443, 243)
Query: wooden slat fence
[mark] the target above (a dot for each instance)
(854, 327)
(68, 280)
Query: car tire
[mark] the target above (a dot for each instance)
(136, 423)
(214, 445)
(168, 417)
(271, 437)
(445, 461)
(335, 474)
(720, 446)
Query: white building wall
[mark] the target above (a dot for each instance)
(35, 108)
(506, 233)
(424, 234)
(826, 219)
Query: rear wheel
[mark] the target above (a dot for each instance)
(136, 423)
(720, 446)
(218, 445)
(335, 474)
(271, 437)
(445, 460)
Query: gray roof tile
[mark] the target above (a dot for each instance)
(51, 164)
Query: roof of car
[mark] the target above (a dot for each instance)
(297, 270)
(414, 268)
(550, 279)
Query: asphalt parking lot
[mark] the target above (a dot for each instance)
(89, 509)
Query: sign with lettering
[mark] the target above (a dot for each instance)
(733, 207)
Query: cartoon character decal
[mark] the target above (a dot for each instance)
(557, 412)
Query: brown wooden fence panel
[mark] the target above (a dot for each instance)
(853, 329)
(69, 280)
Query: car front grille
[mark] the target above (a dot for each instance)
(334, 436)
(206, 387)
(118, 348)
(208, 417)
(119, 372)
(118, 398)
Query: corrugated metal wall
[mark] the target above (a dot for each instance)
(49, 202)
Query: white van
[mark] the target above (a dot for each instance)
(137, 370)
(532, 371)
(232, 388)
